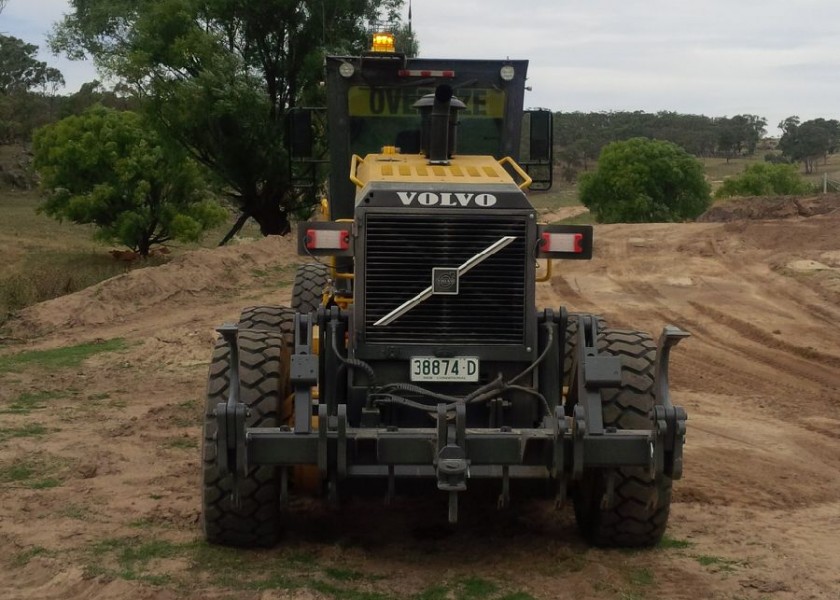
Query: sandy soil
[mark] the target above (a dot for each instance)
(109, 505)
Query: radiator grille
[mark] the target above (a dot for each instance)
(401, 251)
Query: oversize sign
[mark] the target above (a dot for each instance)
(399, 102)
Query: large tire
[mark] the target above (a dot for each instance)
(264, 374)
(639, 510)
(308, 291)
(571, 344)
(279, 319)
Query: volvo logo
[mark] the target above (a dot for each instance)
(447, 199)
(445, 281)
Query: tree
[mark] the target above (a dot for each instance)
(739, 133)
(763, 179)
(21, 71)
(808, 141)
(642, 180)
(219, 77)
(108, 168)
(27, 89)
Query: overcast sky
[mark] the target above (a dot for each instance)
(773, 58)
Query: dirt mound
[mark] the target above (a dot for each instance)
(204, 273)
(758, 208)
(99, 463)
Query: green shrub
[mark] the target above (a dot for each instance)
(764, 179)
(645, 181)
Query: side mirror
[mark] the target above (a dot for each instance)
(300, 135)
(540, 145)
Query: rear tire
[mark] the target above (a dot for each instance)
(308, 291)
(640, 505)
(571, 344)
(264, 374)
(278, 319)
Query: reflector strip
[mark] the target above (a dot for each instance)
(563, 242)
(327, 239)
(422, 73)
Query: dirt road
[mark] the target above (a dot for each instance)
(99, 467)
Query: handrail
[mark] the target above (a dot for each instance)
(526, 180)
(547, 275)
(354, 164)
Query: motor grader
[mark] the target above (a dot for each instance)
(413, 350)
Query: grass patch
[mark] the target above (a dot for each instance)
(436, 592)
(343, 574)
(130, 558)
(28, 430)
(58, 358)
(137, 558)
(141, 523)
(343, 593)
(28, 476)
(475, 587)
(188, 414)
(37, 473)
(470, 588)
(182, 443)
(22, 558)
(78, 512)
(29, 401)
(641, 577)
(717, 563)
(669, 543)
(53, 275)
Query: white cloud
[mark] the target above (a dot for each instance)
(772, 57)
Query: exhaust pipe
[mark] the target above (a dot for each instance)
(439, 113)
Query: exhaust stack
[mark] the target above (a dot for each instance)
(439, 114)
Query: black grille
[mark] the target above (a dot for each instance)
(401, 251)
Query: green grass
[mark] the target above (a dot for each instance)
(717, 563)
(436, 592)
(26, 431)
(29, 401)
(44, 258)
(77, 512)
(129, 558)
(22, 558)
(343, 574)
(470, 588)
(641, 577)
(139, 558)
(182, 443)
(669, 543)
(59, 358)
(37, 473)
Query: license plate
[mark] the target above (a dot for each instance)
(430, 368)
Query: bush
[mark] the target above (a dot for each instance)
(776, 158)
(644, 181)
(765, 179)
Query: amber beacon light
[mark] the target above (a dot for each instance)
(383, 42)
